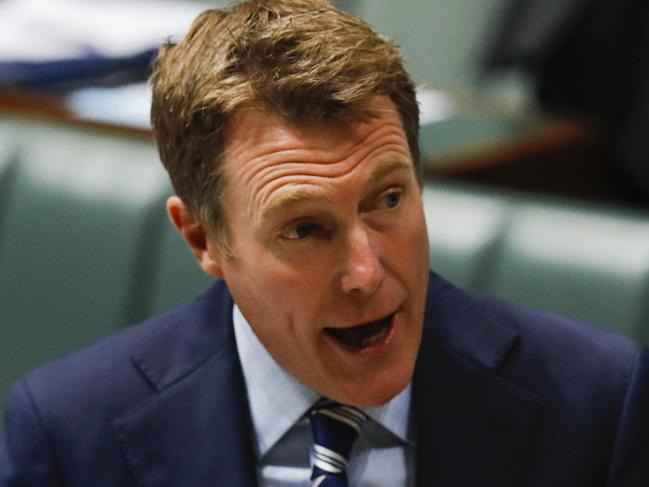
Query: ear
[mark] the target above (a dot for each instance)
(207, 253)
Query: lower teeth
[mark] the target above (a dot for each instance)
(374, 338)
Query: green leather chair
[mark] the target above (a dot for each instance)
(75, 247)
(7, 163)
(464, 230)
(582, 261)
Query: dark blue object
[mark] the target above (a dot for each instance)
(66, 74)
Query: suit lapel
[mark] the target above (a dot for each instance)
(474, 427)
(196, 429)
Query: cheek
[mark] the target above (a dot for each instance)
(408, 244)
(409, 257)
(273, 290)
(422, 244)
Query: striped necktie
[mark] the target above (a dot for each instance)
(335, 428)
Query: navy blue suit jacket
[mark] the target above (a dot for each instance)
(503, 396)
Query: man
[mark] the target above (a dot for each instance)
(289, 130)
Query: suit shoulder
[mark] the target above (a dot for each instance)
(587, 379)
(559, 337)
(538, 331)
(559, 357)
(108, 372)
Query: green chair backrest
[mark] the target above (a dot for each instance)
(581, 261)
(75, 241)
(8, 153)
(464, 229)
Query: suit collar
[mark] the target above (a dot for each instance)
(474, 427)
(459, 322)
(196, 430)
(185, 338)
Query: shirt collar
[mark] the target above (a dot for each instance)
(277, 400)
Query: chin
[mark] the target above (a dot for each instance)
(373, 395)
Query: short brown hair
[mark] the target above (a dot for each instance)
(303, 59)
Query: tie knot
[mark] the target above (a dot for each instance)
(335, 427)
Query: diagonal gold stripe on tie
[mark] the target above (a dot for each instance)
(341, 418)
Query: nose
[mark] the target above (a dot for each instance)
(364, 272)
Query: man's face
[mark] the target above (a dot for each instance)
(329, 249)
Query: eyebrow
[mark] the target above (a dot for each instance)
(390, 167)
(287, 199)
(301, 195)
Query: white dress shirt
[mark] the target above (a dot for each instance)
(383, 455)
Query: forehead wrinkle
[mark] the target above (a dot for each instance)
(272, 181)
(272, 177)
(264, 166)
(275, 149)
(285, 199)
(247, 165)
(322, 166)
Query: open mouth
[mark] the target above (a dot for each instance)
(363, 336)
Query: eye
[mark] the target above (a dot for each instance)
(391, 198)
(299, 230)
